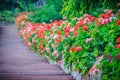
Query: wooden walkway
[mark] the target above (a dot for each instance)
(17, 62)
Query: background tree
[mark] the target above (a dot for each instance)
(26, 3)
(76, 8)
(47, 12)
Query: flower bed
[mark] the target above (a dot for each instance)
(79, 44)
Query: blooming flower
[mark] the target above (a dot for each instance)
(118, 40)
(118, 22)
(88, 39)
(56, 36)
(93, 70)
(67, 30)
(54, 52)
(99, 23)
(118, 46)
(84, 28)
(30, 44)
(59, 62)
(79, 24)
(75, 33)
(53, 45)
(57, 40)
(70, 49)
(57, 55)
(85, 15)
(26, 42)
(75, 48)
(72, 29)
(58, 32)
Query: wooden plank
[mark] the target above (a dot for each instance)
(32, 67)
(34, 77)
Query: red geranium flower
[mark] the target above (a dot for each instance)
(57, 40)
(118, 22)
(118, 46)
(75, 48)
(59, 62)
(59, 32)
(21, 28)
(99, 23)
(118, 40)
(84, 28)
(51, 31)
(67, 30)
(48, 26)
(80, 23)
(93, 70)
(41, 46)
(26, 42)
(75, 33)
(70, 49)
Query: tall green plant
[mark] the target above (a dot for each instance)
(76, 8)
(70, 8)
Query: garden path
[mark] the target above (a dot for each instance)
(17, 62)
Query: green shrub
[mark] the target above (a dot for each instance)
(46, 13)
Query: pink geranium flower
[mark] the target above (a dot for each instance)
(88, 39)
(72, 29)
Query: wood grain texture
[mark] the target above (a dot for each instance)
(17, 62)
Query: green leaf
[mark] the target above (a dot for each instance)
(95, 52)
(38, 40)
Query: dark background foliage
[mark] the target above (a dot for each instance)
(46, 10)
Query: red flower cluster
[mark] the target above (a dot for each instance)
(75, 49)
(118, 45)
(84, 28)
(67, 30)
(118, 41)
(118, 22)
(21, 17)
(58, 23)
(79, 24)
(93, 70)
